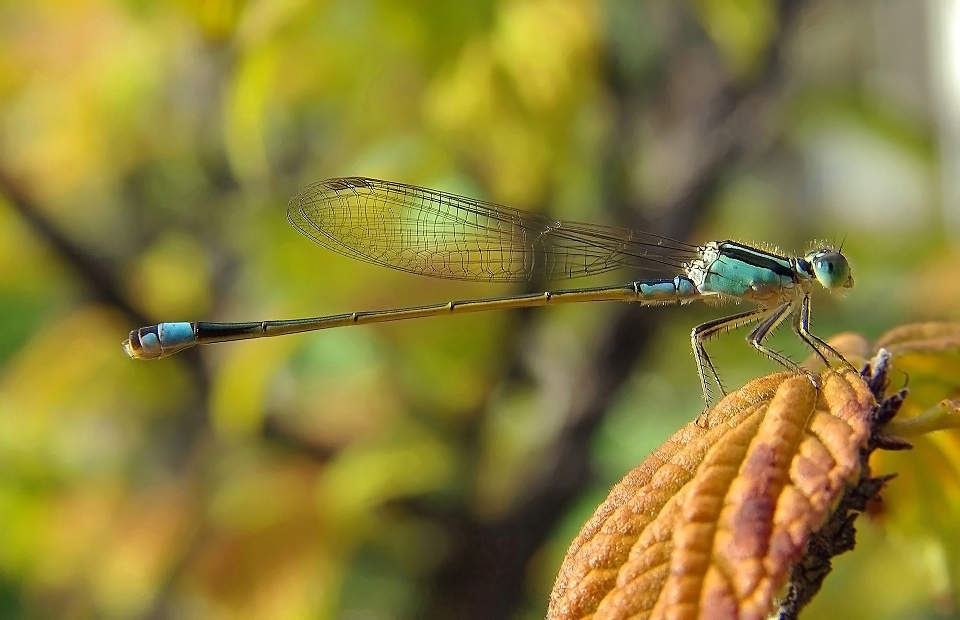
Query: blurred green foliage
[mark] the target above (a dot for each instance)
(291, 478)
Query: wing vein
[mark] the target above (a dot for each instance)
(438, 234)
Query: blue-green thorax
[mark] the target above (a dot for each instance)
(728, 268)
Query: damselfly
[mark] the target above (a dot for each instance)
(438, 234)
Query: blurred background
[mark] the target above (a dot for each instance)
(439, 468)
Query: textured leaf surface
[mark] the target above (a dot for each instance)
(710, 523)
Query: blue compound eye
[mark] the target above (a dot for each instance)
(831, 269)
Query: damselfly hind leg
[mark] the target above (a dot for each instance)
(768, 320)
(705, 331)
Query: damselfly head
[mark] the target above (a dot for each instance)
(830, 268)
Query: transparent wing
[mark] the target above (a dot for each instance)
(434, 233)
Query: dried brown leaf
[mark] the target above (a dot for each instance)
(923, 506)
(709, 525)
(927, 337)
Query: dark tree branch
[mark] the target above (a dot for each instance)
(102, 282)
(100, 279)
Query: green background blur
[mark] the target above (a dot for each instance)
(435, 468)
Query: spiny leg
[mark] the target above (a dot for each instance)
(801, 325)
(765, 328)
(703, 332)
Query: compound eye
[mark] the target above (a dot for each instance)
(831, 269)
